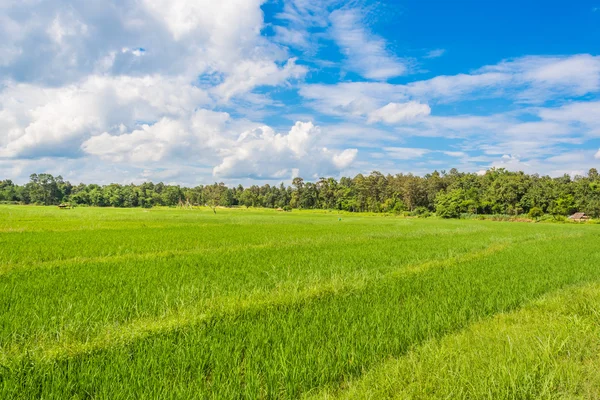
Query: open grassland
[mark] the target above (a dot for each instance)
(165, 303)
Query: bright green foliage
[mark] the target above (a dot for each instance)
(450, 204)
(178, 303)
(450, 194)
(536, 213)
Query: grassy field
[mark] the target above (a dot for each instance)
(166, 303)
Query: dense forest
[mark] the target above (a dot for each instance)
(448, 194)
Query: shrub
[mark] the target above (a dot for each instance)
(420, 212)
(399, 207)
(536, 213)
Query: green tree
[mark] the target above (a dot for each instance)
(44, 189)
(564, 205)
(449, 204)
(214, 195)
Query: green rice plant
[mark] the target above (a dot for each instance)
(168, 303)
(547, 350)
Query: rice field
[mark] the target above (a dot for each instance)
(259, 304)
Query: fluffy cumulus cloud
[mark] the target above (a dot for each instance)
(264, 154)
(45, 121)
(164, 140)
(135, 84)
(247, 75)
(64, 40)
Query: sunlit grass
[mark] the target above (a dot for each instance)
(252, 303)
(549, 349)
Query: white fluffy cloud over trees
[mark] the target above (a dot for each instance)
(263, 153)
(140, 83)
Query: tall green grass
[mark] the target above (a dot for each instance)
(548, 350)
(250, 303)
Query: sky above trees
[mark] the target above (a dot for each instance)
(252, 91)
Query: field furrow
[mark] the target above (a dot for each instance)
(549, 349)
(126, 253)
(284, 295)
(284, 350)
(42, 306)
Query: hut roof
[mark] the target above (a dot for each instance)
(578, 215)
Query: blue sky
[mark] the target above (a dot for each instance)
(253, 91)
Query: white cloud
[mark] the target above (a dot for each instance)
(262, 153)
(302, 18)
(63, 42)
(223, 23)
(367, 53)
(247, 75)
(597, 155)
(356, 135)
(54, 121)
(345, 158)
(405, 153)
(514, 163)
(258, 152)
(306, 13)
(531, 80)
(454, 87)
(435, 53)
(355, 99)
(542, 78)
(293, 37)
(458, 154)
(66, 25)
(585, 113)
(150, 143)
(119, 83)
(574, 162)
(396, 112)
(200, 135)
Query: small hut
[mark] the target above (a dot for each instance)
(579, 217)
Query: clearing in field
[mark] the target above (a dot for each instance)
(131, 303)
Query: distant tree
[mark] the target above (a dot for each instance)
(593, 208)
(171, 195)
(449, 204)
(448, 193)
(9, 191)
(213, 195)
(565, 205)
(44, 189)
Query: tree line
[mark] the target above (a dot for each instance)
(448, 194)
